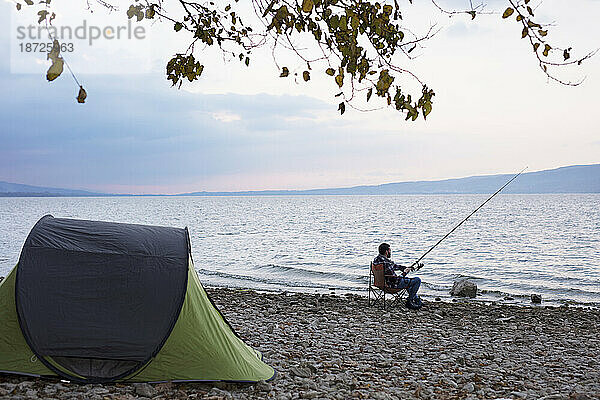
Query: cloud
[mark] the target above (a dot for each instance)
(493, 111)
(225, 116)
(138, 133)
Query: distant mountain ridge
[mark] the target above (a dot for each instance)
(571, 179)
(17, 190)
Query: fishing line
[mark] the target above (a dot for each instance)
(464, 220)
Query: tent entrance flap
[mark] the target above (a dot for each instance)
(100, 298)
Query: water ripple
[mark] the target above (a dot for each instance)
(516, 245)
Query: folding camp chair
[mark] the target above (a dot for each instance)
(378, 288)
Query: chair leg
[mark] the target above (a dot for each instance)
(369, 296)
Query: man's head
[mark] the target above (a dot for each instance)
(385, 250)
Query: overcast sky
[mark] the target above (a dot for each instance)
(246, 129)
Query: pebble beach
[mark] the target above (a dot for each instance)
(335, 347)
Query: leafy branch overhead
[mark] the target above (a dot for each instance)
(537, 33)
(361, 46)
(58, 62)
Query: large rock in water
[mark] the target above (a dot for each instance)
(464, 288)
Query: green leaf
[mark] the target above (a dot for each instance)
(342, 108)
(508, 12)
(29, 2)
(306, 76)
(307, 6)
(18, 6)
(42, 14)
(427, 109)
(178, 26)
(284, 72)
(247, 61)
(330, 71)
(383, 83)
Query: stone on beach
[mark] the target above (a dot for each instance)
(536, 298)
(144, 390)
(347, 350)
(464, 288)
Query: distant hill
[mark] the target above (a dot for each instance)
(17, 190)
(572, 179)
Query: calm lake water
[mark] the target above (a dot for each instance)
(516, 245)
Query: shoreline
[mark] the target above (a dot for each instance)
(484, 296)
(335, 347)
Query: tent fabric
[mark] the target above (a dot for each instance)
(203, 345)
(100, 302)
(15, 354)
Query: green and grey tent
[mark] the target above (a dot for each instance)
(93, 301)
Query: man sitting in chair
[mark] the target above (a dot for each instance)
(399, 281)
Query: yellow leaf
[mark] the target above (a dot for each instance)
(55, 69)
(82, 95)
(57, 62)
(547, 48)
(55, 52)
(306, 76)
(339, 80)
(307, 6)
(508, 12)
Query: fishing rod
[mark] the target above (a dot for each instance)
(464, 220)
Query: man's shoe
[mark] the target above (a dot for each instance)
(414, 304)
